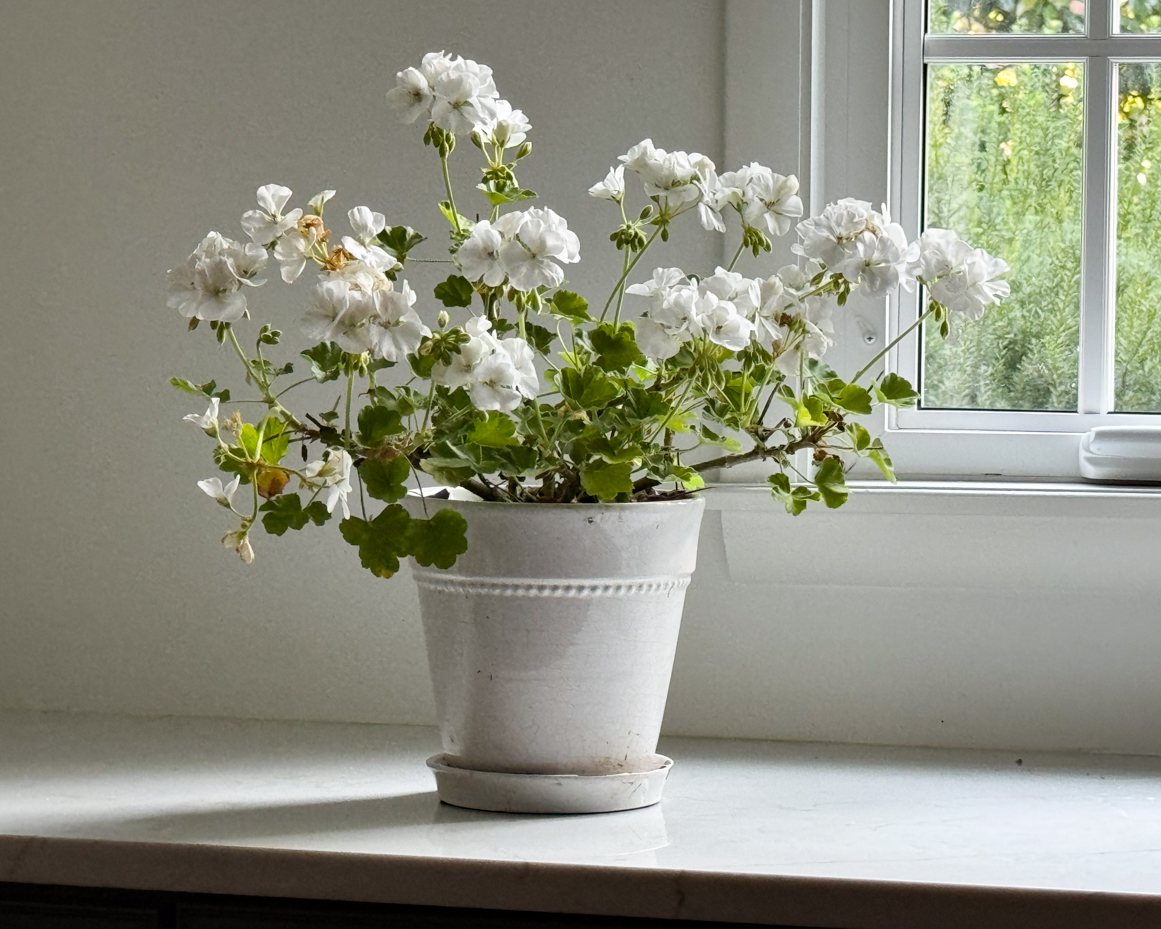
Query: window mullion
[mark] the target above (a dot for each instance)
(1096, 304)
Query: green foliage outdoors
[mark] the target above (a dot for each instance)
(1005, 171)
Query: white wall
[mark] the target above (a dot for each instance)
(132, 128)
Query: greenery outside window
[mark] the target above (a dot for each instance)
(1033, 127)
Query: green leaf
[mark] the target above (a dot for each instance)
(275, 441)
(382, 541)
(879, 455)
(188, 386)
(286, 512)
(854, 398)
(439, 540)
(810, 413)
(709, 437)
(207, 390)
(570, 306)
(451, 216)
(860, 438)
(326, 361)
(455, 291)
(588, 389)
(399, 240)
(501, 192)
(494, 432)
(539, 337)
(607, 481)
(385, 480)
(831, 483)
(616, 348)
(794, 498)
(377, 424)
(896, 391)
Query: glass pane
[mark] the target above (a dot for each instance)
(1004, 171)
(1041, 17)
(1138, 346)
(1140, 15)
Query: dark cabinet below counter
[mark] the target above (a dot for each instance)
(36, 906)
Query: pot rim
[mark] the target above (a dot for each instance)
(694, 498)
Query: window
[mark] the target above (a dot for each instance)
(1033, 128)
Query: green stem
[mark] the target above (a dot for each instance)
(737, 255)
(347, 418)
(450, 196)
(270, 400)
(902, 335)
(625, 276)
(621, 291)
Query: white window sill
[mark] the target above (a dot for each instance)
(755, 832)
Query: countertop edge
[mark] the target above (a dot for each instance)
(561, 888)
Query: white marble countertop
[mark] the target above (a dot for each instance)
(771, 833)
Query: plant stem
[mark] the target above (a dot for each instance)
(450, 196)
(902, 335)
(737, 255)
(271, 401)
(632, 264)
(347, 418)
(621, 290)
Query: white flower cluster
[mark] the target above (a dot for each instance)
(766, 201)
(522, 248)
(497, 374)
(210, 284)
(460, 97)
(357, 319)
(720, 307)
(871, 251)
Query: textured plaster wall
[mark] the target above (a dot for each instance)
(130, 129)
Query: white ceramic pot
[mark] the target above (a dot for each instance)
(551, 643)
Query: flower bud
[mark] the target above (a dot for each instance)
(524, 150)
(477, 139)
(443, 319)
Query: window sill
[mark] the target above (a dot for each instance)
(755, 832)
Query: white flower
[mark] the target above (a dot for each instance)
(973, 287)
(239, 542)
(770, 201)
(411, 96)
(292, 251)
(720, 322)
(527, 256)
(612, 187)
(395, 328)
(332, 472)
(366, 224)
(458, 372)
(670, 321)
(319, 200)
(521, 356)
(714, 198)
(224, 495)
(208, 286)
(660, 286)
(479, 256)
(939, 252)
(338, 315)
(570, 252)
(880, 263)
(208, 421)
(267, 225)
(830, 237)
(743, 292)
(674, 175)
(493, 384)
(459, 106)
(507, 127)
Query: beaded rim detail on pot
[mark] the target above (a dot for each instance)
(550, 587)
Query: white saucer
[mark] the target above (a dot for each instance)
(503, 792)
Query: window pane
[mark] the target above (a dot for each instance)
(1140, 15)
(1138, 351)
(1004, 171)
(1027, 16)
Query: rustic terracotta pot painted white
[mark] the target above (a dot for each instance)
(551, 644)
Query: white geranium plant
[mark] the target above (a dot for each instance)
(520, 390)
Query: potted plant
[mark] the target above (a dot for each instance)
(557, 445)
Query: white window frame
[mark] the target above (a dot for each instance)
(1013, 443)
